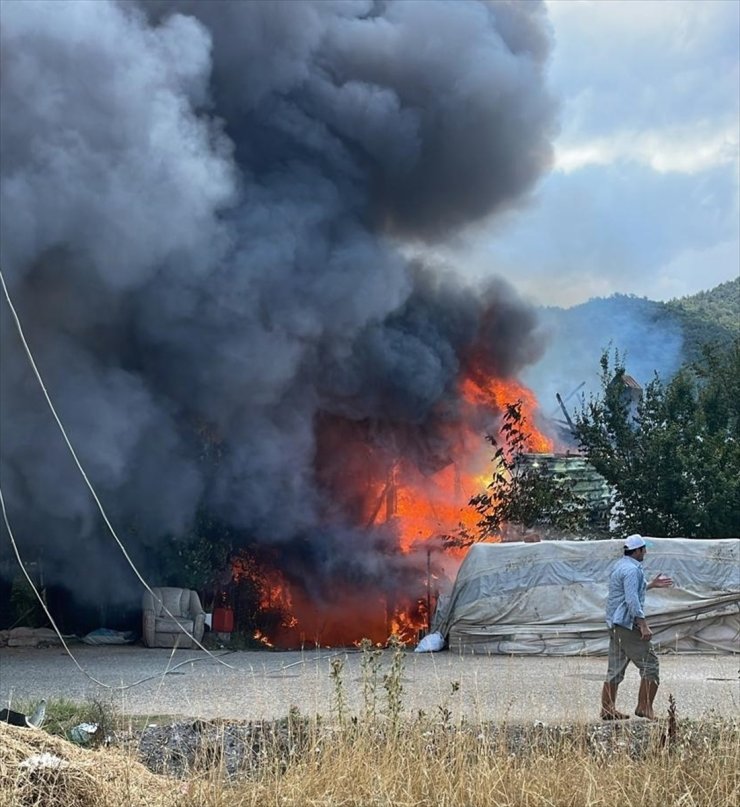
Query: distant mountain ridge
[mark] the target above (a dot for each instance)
(708, 317)
(651, 337)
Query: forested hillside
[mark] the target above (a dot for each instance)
(638, 325)
(651, 337)
(707, 311)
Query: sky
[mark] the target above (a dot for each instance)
(643, 196)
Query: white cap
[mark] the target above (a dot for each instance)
(634, 542)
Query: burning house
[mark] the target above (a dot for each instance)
(208, 247)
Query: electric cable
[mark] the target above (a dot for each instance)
(116, 687)
(122, 687)
(87, 481)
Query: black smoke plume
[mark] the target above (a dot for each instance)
(205, 209)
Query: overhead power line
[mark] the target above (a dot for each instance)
(108, 524)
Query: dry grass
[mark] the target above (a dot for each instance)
(419, 762)
(425, 766)
(79, 778)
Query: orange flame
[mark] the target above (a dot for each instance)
(422, 505)
(262, 639)
(495, 393)
(272, 588)
(407, 624)
(425, 507)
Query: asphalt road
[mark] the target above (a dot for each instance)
(265, 685)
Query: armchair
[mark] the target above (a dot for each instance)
(160, 630)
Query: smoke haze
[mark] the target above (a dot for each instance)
(203, 208)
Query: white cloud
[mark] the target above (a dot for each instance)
(687, 149)
(644, 196)
(694, 270)
(642, 28)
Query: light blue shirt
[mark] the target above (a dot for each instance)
(626, 598)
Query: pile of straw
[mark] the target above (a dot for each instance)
(39, 769)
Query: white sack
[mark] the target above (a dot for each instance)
(431, 643)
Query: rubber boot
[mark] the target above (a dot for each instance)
(608, 701)
(645, 698)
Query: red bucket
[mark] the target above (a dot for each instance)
(223, 620)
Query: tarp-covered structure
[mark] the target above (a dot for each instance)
(548, 598)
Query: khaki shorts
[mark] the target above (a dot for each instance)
(625, 646)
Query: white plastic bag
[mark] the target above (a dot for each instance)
(431, 643)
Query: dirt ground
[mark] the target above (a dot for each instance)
(265, 685)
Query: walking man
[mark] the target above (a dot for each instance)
(629, 632)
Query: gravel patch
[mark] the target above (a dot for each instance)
(261, 686)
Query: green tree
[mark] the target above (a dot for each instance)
(196, 559)
(674, 459)
(524, 493)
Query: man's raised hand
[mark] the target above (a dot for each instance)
(660, 581)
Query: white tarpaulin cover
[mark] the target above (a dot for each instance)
(549, 597)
